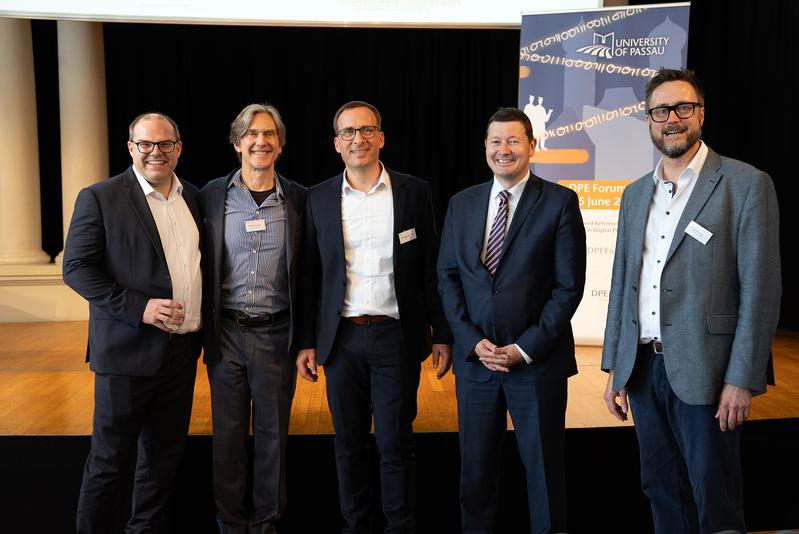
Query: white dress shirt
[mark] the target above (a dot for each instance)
(665, 211)
(514, 194)
(367, 222)
(180, 239)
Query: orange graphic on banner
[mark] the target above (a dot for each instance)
(597, 194)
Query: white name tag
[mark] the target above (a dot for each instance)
(255, 225)
(699, 233)
(407, 235)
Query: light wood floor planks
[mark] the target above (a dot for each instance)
(46, 389)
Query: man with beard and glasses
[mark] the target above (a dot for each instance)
(694, 303)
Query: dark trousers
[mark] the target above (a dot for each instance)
(255, 375)
(369, 374)
(538, 411)
(140, 424)
(690, 469)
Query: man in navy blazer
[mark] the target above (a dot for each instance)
(133, 252)
(694, 303)
(511, 272)
(253, 228)
(372, 314)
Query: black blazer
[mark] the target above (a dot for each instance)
(535, 291)
(113, 258)
(324, 270)
(212, 205)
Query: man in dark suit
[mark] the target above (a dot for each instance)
(253, 219)
(370, 306)
(133, 252)
(694, 303)
(511, 273)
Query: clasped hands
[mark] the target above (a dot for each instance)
(498, 358)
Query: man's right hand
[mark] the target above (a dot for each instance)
(485, 349)
(165, 314)
(306, 364)
(619, 411)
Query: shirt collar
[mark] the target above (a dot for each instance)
(384, 179)
(236, 181)
(148, 189)
(691, 171)
(515, 191)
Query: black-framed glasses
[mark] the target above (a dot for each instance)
(683, 110)
(347, 134)
(145, 147)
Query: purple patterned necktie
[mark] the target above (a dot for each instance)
(497, 235)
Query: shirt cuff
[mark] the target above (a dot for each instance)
(524, 354)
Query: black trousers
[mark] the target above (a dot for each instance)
(369, 375)
(255, 376)
(139, 428)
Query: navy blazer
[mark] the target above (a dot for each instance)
(536, 288)
(212, 205)
(113, 258)
(325, 277)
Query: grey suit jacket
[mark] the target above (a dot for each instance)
(719, 302)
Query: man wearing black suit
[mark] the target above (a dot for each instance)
(370, 305)
(253, 221)
(133, 252)
(511, 273)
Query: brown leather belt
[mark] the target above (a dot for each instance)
(368, 319)
(655, 346)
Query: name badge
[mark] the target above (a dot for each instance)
(255, 225)
(407, 235)
(699, 233)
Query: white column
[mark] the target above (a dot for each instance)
(84, 117)
(20, 208)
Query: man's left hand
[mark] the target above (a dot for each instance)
(733, 406)
(505, 357)
(442, 358)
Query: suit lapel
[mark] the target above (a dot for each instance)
(475, 213)
(333, 202)
(640, 214)
(530, 197)
(215, 219)
(292, 220)
(705, 184)
(132, 190)
(398, 198)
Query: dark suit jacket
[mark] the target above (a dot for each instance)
(537, 286)
(720, 301)
(113, 258)
(325, 277)
(212, 205)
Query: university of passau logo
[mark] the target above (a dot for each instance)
(607, 46)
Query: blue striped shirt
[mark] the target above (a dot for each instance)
(254, 272)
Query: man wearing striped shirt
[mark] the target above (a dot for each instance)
(253, 218)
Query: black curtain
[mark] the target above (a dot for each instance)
(435, 88)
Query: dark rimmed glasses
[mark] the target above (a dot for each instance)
(683, 110)
(145, 147)
(348, 134)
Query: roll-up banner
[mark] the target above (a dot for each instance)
(582, 79)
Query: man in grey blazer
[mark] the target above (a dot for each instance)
(694, 303)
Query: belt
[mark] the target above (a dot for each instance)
(654, 346)
(369, 319)
(242, 319)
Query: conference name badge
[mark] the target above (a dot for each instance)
(698, 232)
(255, 225)
(407, 235)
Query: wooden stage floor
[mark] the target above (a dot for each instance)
(46, 388)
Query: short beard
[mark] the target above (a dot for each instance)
(678, 150)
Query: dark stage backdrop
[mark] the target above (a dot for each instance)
(435, 89)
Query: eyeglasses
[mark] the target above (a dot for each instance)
(683, 110)
(348, 134)
(145, 147)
